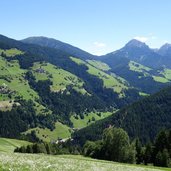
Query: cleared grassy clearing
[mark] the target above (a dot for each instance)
(99, 65)
(12, 76)
(8, 145)
(89, 118)
(60, 78)
(134, 66)
(6, 105)
(109, 81)
(37, 162)
(166, 73)
(60, 131)
(63, 131)
(160, 79)
(143, 94)
(145, 70)
(11, 52)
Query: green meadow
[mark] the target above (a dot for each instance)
(41, 162)
(59, 77)
(88, 119)
(8, 145)
(109, 81)
(45, 134)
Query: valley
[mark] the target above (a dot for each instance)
(60, 98)
(18, 81)
(85, 85)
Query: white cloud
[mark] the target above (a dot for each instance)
(99, 44)
(99, 48)
(165, 41)
(98, 53)
(153, 37)
(145, 39)
(141, 38)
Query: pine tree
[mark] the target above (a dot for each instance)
(29, 149)
(138, 146)
(23, 149)
(162, 158)
(165, 158)
(161, 141)
(148, 154)
(48, 148)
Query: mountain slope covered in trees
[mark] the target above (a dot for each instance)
(61, 87)
(55, 85)
(120, 61)
(56, 44)
(142, 119)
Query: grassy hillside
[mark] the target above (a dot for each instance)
(45, 134)
(160, 79)
(13, 83)
(166, 73)
(88, 119)
(63, 131)
(95, 76)
(11, 52)
(134, 66)
(8, 145)
(59, 77)
(162, 76)
(98, 64)
(39, 162)
(109, 81)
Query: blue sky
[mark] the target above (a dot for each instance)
(97, 26)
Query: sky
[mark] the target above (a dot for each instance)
(96, 26)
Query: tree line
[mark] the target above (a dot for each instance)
(52, 148)
(114, 146)
(142, 119)
(21, 118)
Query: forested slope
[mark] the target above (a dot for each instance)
(142, 119)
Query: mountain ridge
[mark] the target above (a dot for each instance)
(62, 86)
(53, 43)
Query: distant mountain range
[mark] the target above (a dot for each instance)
(165, 50)
(119, 61)
(67, 84)
(133, 50)
(56, 44)
(141, 53)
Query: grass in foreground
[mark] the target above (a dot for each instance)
(39, 162)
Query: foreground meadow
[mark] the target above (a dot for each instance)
(40, 162)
